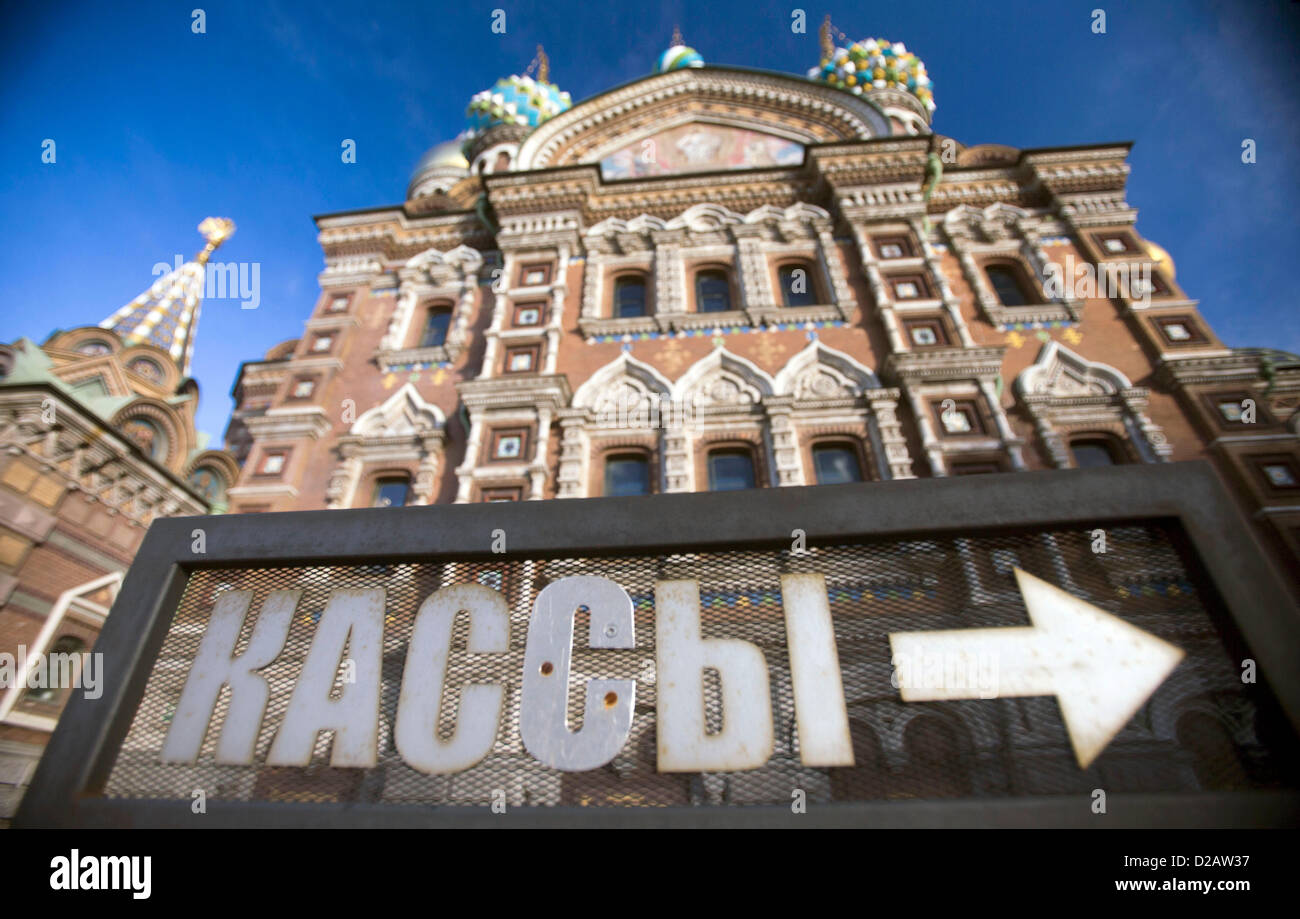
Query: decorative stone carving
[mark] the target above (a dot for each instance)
(1064, 392)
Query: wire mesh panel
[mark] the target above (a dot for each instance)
(1204, 727)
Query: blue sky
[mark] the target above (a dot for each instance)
(157, 127)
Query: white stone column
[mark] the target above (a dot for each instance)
(465, 472)
(670, 285)
(884, 408)
(343, 480)
(829, 254)
(755, 285)
(1005, 434)
(574, 449)
(426, 476)
(537, 471)
(785, 444)
(679, 472)
(929, 439)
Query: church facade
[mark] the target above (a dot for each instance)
(723, 278)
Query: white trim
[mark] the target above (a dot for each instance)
(37, 650)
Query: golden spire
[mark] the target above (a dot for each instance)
(167, 314)
(215, 230)
(543, 65)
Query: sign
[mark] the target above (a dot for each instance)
(1100, 668)
(649, 661)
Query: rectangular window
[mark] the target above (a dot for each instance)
(731, 470)
(1180, 330)
(1235, 409)
(322, 344)
(1280, 473)
(925, 333)
(496, 495)
(888, 247)
(627, 475)
(909, 287)
(958, 418)
(836, 464)
(339, 304)
(303, 388)
(436, 324)
(1231, 410)
(509, 444)
(522, 359)
(535, 275)
(273, 463)
(1116, 243)
(527, 314)
(391, 492)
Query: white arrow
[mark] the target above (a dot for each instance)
(1100, 668)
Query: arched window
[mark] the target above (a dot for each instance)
(712, 291)
(731, 469)
(797, 287)
(629, 297)
(1089, 452)
(391, 491)
(146, 368)
(502, 163)
(208, 483)
(147, 436)
(435, 327)
(835, 464)
(627, 474)
(93, 347)
(1007, 284)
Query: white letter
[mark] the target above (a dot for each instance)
(353, 619)
(216, 666)
(820, 712)
(745, 741)
(543, 721)
(423, 681)
(252, 291)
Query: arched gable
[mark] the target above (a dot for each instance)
(819, 372)
(1060, 372)
(722, 379)
(738, 114)
(405, 413)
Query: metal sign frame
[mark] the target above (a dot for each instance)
(1261, 603)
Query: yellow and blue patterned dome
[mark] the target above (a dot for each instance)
(875, 63)
(515, 100)
(678, 57)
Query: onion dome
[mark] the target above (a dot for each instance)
(514, 100)
(678, 56)
(440, 168)
(874, 63)
(1164, 261)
